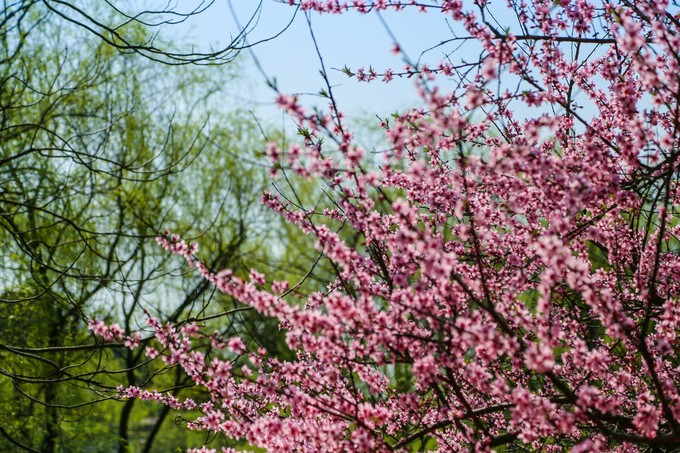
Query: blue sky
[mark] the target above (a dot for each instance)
(350, 39)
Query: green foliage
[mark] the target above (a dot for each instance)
(99, 153)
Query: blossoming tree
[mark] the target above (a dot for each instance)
(507, 272)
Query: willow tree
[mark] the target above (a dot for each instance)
(99, 151)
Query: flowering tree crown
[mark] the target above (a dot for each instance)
(513, 277)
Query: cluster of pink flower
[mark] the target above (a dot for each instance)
(173, 243)
(516, 279)
(113, 332)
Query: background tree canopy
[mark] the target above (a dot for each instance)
(100, 150)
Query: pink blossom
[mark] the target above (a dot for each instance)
(504, 273)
